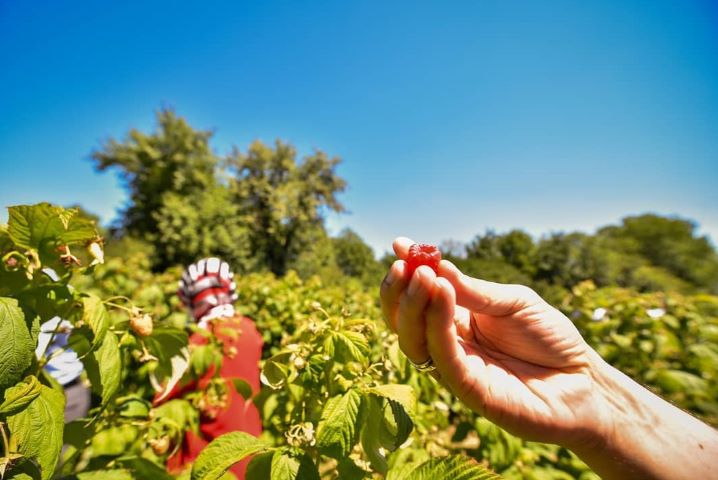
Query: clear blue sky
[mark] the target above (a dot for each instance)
(450, 117)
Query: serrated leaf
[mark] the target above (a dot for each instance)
(286, 466)
(223, 452)
(38, 429)
(350, 346)
(370, 435)
(30, 226)
(94, 315)
(16, 347)
(20, 395)
(395, 426)
(104, 368)
(402, 394)
(455, 467)
(337, 430)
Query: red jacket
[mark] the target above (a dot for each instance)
(242, 354)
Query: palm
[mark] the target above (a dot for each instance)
(525, 370)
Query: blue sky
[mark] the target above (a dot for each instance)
(450, 117)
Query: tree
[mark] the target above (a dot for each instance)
(669, 243)
(176, 202)
(176, 158)
(515, 248)
(355, 258)
(283, 199)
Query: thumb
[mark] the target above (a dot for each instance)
(490, 298)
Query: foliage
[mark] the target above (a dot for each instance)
(355, 258)
(283, 199)
(339, 399)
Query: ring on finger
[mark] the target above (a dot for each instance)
(425, 367)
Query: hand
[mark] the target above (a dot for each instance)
(501, 349)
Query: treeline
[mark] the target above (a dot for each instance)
(263, 209)
(646, 252)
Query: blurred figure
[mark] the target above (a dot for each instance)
(208, 290)
(63, 366)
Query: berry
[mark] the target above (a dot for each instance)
(141, 324)
(423, 254)
(160, 445)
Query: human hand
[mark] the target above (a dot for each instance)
(501, 349)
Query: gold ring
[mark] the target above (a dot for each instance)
(424, 367)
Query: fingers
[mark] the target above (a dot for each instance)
(390, 292)
(442, 339)
(491, 298)
(411, 325)
(401, 246)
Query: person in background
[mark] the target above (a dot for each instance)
(208, 290)
(62, 363)
(521, 363)
(63, 366)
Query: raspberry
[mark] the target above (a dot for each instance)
(160, 445)
(423, 254)
(141, 324)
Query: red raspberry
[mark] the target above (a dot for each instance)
(423, 254)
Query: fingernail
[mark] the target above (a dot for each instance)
(390, 277)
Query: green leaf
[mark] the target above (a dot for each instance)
(180, 411)
(104, 368)
(260, 467)
(144, 469)
(348, 470)
(19, 396)
(395, 426)
(114, 441)
(94, 315)
(337, 430)
(274, 374)
(455, 467)
(16, 347)
(286, 466)
(347, 346)
(114, 474)
(34, 226)
(242, 387)
(370, 435)
(402, 394)
(38, 429)
(223, 452)
(30, 226)
(23, 469)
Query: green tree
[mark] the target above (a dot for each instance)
(355, 258)
(283, 199)
(515, 248)
(669, 243)
(176, 202)
(176, 158)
